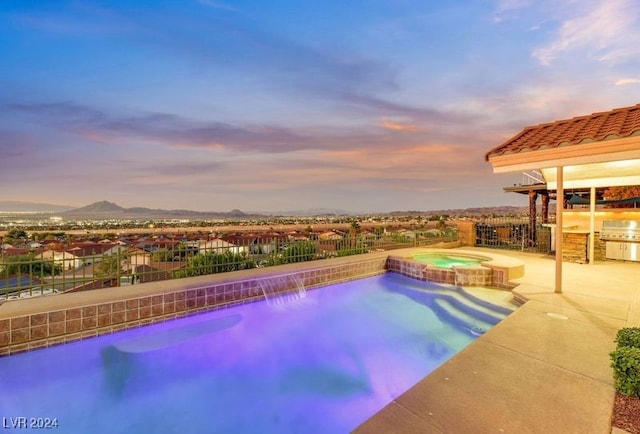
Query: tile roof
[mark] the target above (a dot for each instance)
(88, 249)
(614, 124)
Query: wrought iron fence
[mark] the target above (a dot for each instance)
(41, 273)
(514, 233)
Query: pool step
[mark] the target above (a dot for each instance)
(502, 309)
(438, 288)
(486, 312)
(474, 318)
(453, 304)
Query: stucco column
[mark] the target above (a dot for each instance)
(559, 210)
(592, 225)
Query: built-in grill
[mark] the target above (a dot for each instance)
(620, 230)
(622, 239)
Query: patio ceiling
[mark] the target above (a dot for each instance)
(606, 174)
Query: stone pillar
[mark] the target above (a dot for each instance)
(545, 207)
(466, 232)
(531, 238)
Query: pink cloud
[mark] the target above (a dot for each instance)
(399, 126)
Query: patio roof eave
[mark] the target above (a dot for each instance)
(571, 155)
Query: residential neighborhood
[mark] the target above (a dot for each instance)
(43, 263)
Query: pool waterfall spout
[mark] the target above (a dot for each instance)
(283, 289)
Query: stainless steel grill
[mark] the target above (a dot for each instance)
(620, 230)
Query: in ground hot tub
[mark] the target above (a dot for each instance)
(458, 267)
(448, 260)
(445, 267)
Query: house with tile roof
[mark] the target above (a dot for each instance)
(155, 244)
(330, 235)
(217, 245)
(65, 259)
(91, 253)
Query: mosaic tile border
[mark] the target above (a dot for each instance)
(483, 275)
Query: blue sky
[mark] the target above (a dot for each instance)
(284, 105)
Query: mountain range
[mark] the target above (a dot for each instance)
(15, 206)
(105, 209)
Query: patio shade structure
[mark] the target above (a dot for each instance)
(593, 151)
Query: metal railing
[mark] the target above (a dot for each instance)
(513, 233)
(41, 273)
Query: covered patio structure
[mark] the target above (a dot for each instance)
(587, 152)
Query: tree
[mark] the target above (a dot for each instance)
(211, 263)
(109, 267)
(162, 255)
(28, 264)
(621, 193)
(298, 251)
(14, 235)
(355, 228)
(355, 248)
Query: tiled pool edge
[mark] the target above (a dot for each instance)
(492, 275)
(44, 327)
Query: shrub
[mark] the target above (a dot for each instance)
(351, 247)
(625, 362)
(628, 337)
(210, 263)
(299, 251)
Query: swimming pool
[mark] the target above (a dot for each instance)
(447, 261)
(324, 363)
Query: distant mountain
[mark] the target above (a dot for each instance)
(31, 207)
(498, 210)
(310, 212)
(237, 213)
(102, 207)
(106, 209)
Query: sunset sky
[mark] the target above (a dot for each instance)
(362, 105)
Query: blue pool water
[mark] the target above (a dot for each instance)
(322, 364)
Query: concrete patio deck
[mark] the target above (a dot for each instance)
(544, 369)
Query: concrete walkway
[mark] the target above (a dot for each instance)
(544, 369)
